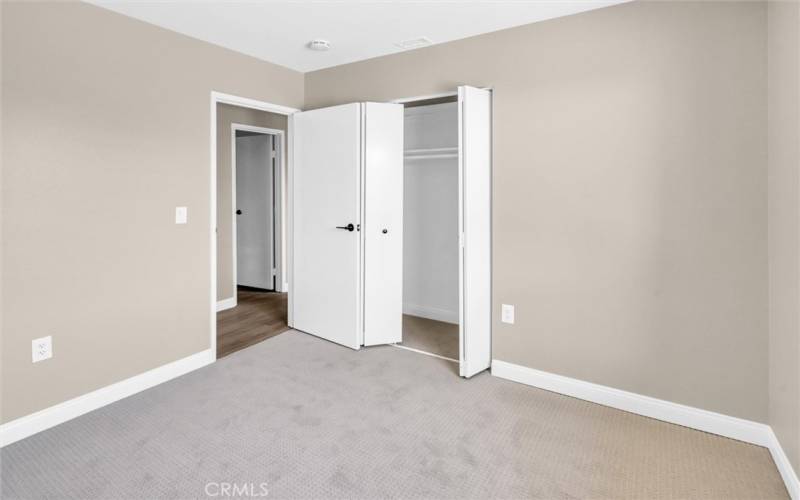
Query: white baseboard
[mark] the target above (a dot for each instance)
(687, 416)
(715, 423)
(431, 313)
(28, 425)
(788, 473)
(226, 304)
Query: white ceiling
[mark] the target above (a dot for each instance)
(278, 31)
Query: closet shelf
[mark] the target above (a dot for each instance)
(430, 153)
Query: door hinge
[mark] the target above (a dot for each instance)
(274, 271)
(461, 240)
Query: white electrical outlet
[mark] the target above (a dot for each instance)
(42, 349)
(181, 215)
(507, 314)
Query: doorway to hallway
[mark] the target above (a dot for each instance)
(259, 315)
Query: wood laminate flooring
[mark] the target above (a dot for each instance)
(258, 316)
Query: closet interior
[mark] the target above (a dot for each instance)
(431, 227)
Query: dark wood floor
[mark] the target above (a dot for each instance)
(258, 316)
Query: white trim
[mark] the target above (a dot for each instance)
(245, 102)
(289, 240)
(50, 417)
(225, 304)
(687, 416)
(214, 233)
(277, 196)
(431, 313)
(252, 128)
(280, 217)
(362, 160)
(424, 352)
(428, 97)
(790, 479)
(217, 98)
(404, 100)
(462, 358)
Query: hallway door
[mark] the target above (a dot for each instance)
(255, 211)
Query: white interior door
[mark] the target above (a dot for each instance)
(326, 197)
(254, 209)
(383, 223)
(475, 219)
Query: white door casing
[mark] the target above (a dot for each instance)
(475, 219)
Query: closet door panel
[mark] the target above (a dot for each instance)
(325, 199)
(475, 219)
(383, 223)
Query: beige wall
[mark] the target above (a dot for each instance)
(90, 253)
(227, 115)
(629, 191)
(784, 225)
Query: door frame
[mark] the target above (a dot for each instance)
(277, 199)
(461, 312)
(243, 102)
(428, 97)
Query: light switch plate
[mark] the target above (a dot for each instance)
(181, 215)
(41, 349)
(507, 314)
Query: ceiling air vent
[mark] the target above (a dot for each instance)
(414, 43)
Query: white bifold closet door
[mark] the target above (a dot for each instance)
(383, 223)
(325, 286)
(346, 217)
(475, 223)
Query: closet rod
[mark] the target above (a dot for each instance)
(430, 151)
(428, 157)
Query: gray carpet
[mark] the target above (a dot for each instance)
(315, 420)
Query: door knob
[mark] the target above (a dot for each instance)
(238, 212)
(349, 227)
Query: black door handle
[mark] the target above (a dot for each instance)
(238, 212)
(349, 227)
